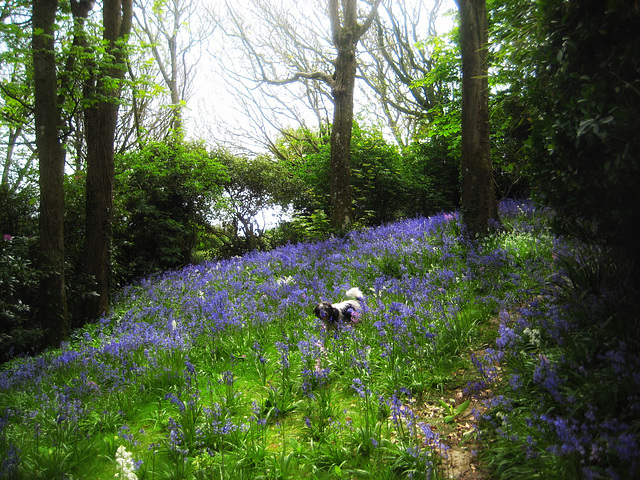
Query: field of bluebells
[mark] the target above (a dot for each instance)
(220, 370)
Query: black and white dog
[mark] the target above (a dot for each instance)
(333, 315)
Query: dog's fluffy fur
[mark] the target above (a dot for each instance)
(333, 315)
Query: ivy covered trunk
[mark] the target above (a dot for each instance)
(479, 204)
(346, 33)
(343, 87)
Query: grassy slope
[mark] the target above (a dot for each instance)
(220, 370)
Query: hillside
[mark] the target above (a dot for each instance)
(221, 370)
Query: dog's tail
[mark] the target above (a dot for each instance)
(354, 293)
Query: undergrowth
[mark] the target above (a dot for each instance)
(220, 370)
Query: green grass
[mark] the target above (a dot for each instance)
(221, 371)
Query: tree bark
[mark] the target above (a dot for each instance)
(346, 34)
(342, 91)
(100, 124)
(52, 312)
(479, 204)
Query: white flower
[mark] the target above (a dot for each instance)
(125, 464)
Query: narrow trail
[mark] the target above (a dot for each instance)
(461, 461)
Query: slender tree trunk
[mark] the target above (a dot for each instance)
(346, 32)
(13, 134)
(52, 313)
(100, 124)
(479, 204)
(343, 89)
(176, 101)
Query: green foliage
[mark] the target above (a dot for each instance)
(18, 273)
(510, 131)
(451, 411)
(443, 121)
(585, 148)
(18, 211)
(302, 227)
(253, 186)
(379, 185)
(433, 175)
(513, 35)
(18, 293)
(305, 153)
(384, 188)
(15, 58)
(165, 194)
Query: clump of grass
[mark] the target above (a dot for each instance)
(220, 370)
(568, 405)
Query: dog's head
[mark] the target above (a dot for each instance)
(326, 312)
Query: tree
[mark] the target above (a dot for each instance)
(586, 110)
(172, 29)
(103, 90)
(479, 204)
(16, 95)
(397, 54)
(254, 186)
(346, 33)
(52, 310)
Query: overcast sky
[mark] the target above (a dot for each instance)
(215, 113)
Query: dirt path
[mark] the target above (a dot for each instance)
(461, 462)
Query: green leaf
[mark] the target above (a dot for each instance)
(462, 407)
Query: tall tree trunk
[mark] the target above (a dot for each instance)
(52, 313)
(346, 32)
(479, 204)
(176, 100)
(100, 124)
(342, 92)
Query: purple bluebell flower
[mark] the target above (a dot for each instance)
(360, 388)
(283, 348)
(176, 401)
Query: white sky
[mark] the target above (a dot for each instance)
(215, 114)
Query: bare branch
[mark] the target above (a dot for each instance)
(372, 15)
(299, 75)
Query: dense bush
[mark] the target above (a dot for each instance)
(18, 272)
(587, 163)
(165, 193)
(255, 187)
(18, 211)
(433, 177)
(387, 184)
(18, 295)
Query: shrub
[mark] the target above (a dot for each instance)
(18, 211)
(18, 286)
(165, 193)
(379, 186)
(586, 162)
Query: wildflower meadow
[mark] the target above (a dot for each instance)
(221, 371)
